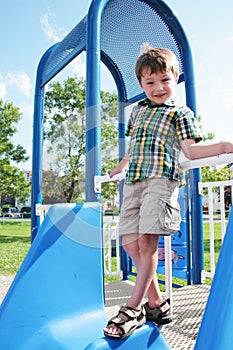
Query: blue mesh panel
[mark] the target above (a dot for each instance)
(68, 49)
(125, 26)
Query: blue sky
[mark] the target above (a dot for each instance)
(29, 28)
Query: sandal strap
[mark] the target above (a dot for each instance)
(130, 312)
(132, 320)
(159, 310)
(164, 307)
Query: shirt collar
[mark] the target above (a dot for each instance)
(147, 102)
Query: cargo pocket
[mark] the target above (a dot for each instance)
(170, 217)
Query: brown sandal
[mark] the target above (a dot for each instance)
(135, 318)
(160, 314)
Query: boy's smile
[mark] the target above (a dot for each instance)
(158, 87)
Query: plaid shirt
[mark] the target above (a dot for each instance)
(156, 132)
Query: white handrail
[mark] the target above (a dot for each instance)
(41, 210)
(225, 158)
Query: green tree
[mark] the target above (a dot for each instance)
(109, 126)
(206, 137)
(213, 173)
(12, 179)
(53, 192)
(65, 133)
(110, 189)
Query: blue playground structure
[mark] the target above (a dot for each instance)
(56, 301)
(109, 27)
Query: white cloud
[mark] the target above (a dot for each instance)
(222, 93)
(27, 110)
(78, 66)
(48, 21)
(21, 81)
(3, 89)
(55, 34)
(227, 100)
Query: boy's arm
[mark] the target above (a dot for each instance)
(121, 166)
(194, 150)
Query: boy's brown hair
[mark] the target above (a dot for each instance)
(157, 60)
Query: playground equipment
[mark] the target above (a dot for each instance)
(109, 27)
(57, 298)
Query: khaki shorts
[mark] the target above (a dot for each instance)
(150, 206)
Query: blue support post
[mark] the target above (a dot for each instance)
(37, 144)
(36, 196)
(122, 151)
(93, 164)
(197, 228)
(195, 177)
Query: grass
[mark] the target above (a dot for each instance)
(15, 240)
(217, 243)
(217, 246)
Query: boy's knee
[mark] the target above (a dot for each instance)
(131, 247)
(148, 242)
(131, 250)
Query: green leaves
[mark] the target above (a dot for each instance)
(65, 136)
(12, 179)
(212, 174)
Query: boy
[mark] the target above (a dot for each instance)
(159, 130)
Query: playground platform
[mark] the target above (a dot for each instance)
(188, 306)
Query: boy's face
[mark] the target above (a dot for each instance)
(158, 87)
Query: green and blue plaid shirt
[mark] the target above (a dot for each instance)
(156, 132)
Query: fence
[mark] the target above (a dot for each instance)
(211, 217)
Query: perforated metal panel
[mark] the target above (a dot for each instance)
(70, 47)
(125, 26)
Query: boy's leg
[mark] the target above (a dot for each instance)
(130, 243)
(133, 252)
(143, 250)
(146, 260)
(145, 256)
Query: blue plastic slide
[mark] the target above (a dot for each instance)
(216, 327)
(56, 301)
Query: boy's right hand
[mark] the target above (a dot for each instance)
(117, 176)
